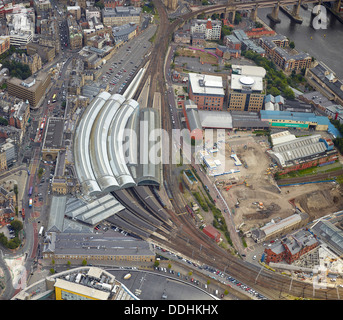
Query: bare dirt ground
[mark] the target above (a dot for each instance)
(255, 185)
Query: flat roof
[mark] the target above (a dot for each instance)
(215, 119)
(206, 84)
(81, 289)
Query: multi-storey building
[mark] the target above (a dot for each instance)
(34, 61)
(325, 81)
(21, 27)
(121, 15)
(211, 28)
(4, 44)
(291, 248)
(206, 91)
(75, 34)
(246, 88)
(49, 34)
(32, 89)
(274, 47)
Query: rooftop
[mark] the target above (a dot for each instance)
(206, 84)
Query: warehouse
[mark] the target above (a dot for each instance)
(301, 153)
(298, 120)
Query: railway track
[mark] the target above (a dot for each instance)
(311, 178)
(185, 237)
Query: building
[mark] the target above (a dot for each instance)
(246, 88)
(10, 150)
(4, 44)
(206, 91)
(246, 43)
(107, 247)
(301, 153)
(21, 27)
(211, 28)
(190, 111)
(53, 139)
(75, 34)
(212, 232)
(279, 227)
(32, 89)
(33, 61)
(113, 3)
(290, 248)
(190, 180)
(93, 12)
(49, 34)
(285, 59)
(100, 162)
(124, 32)
(297, 120)
(75, 11)
(227, 53)
(256, 33)
(323, 79)
(198, 39)
(121, 15)
(232, 42)
(82, 283)
(181, 36)
(47, 54)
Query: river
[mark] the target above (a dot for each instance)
(323, 44)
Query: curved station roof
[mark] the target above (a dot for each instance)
(108, 145)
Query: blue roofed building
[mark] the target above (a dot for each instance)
(297, 120)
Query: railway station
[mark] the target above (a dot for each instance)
(101, 162)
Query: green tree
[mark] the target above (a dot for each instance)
(274, 91)
(84, 262)
(288, 93)
(292, 45)
(17, 225)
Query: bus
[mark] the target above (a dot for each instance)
(54, 98)
(30, 191)
(30, 203)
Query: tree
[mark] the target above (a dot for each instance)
(17, 225)
(292, 45)
(288, 93)
(84, 262)
(169, 266)
(156, 263)
(274, 91)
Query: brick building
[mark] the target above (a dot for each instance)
(291, 247)
(206, 91)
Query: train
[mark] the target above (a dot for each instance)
(159, 199)
(190, 211)
(169, 194)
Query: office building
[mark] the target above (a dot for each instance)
(32, 89)
(206, 91)
(246, 88)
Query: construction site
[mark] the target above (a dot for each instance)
(254, 197)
